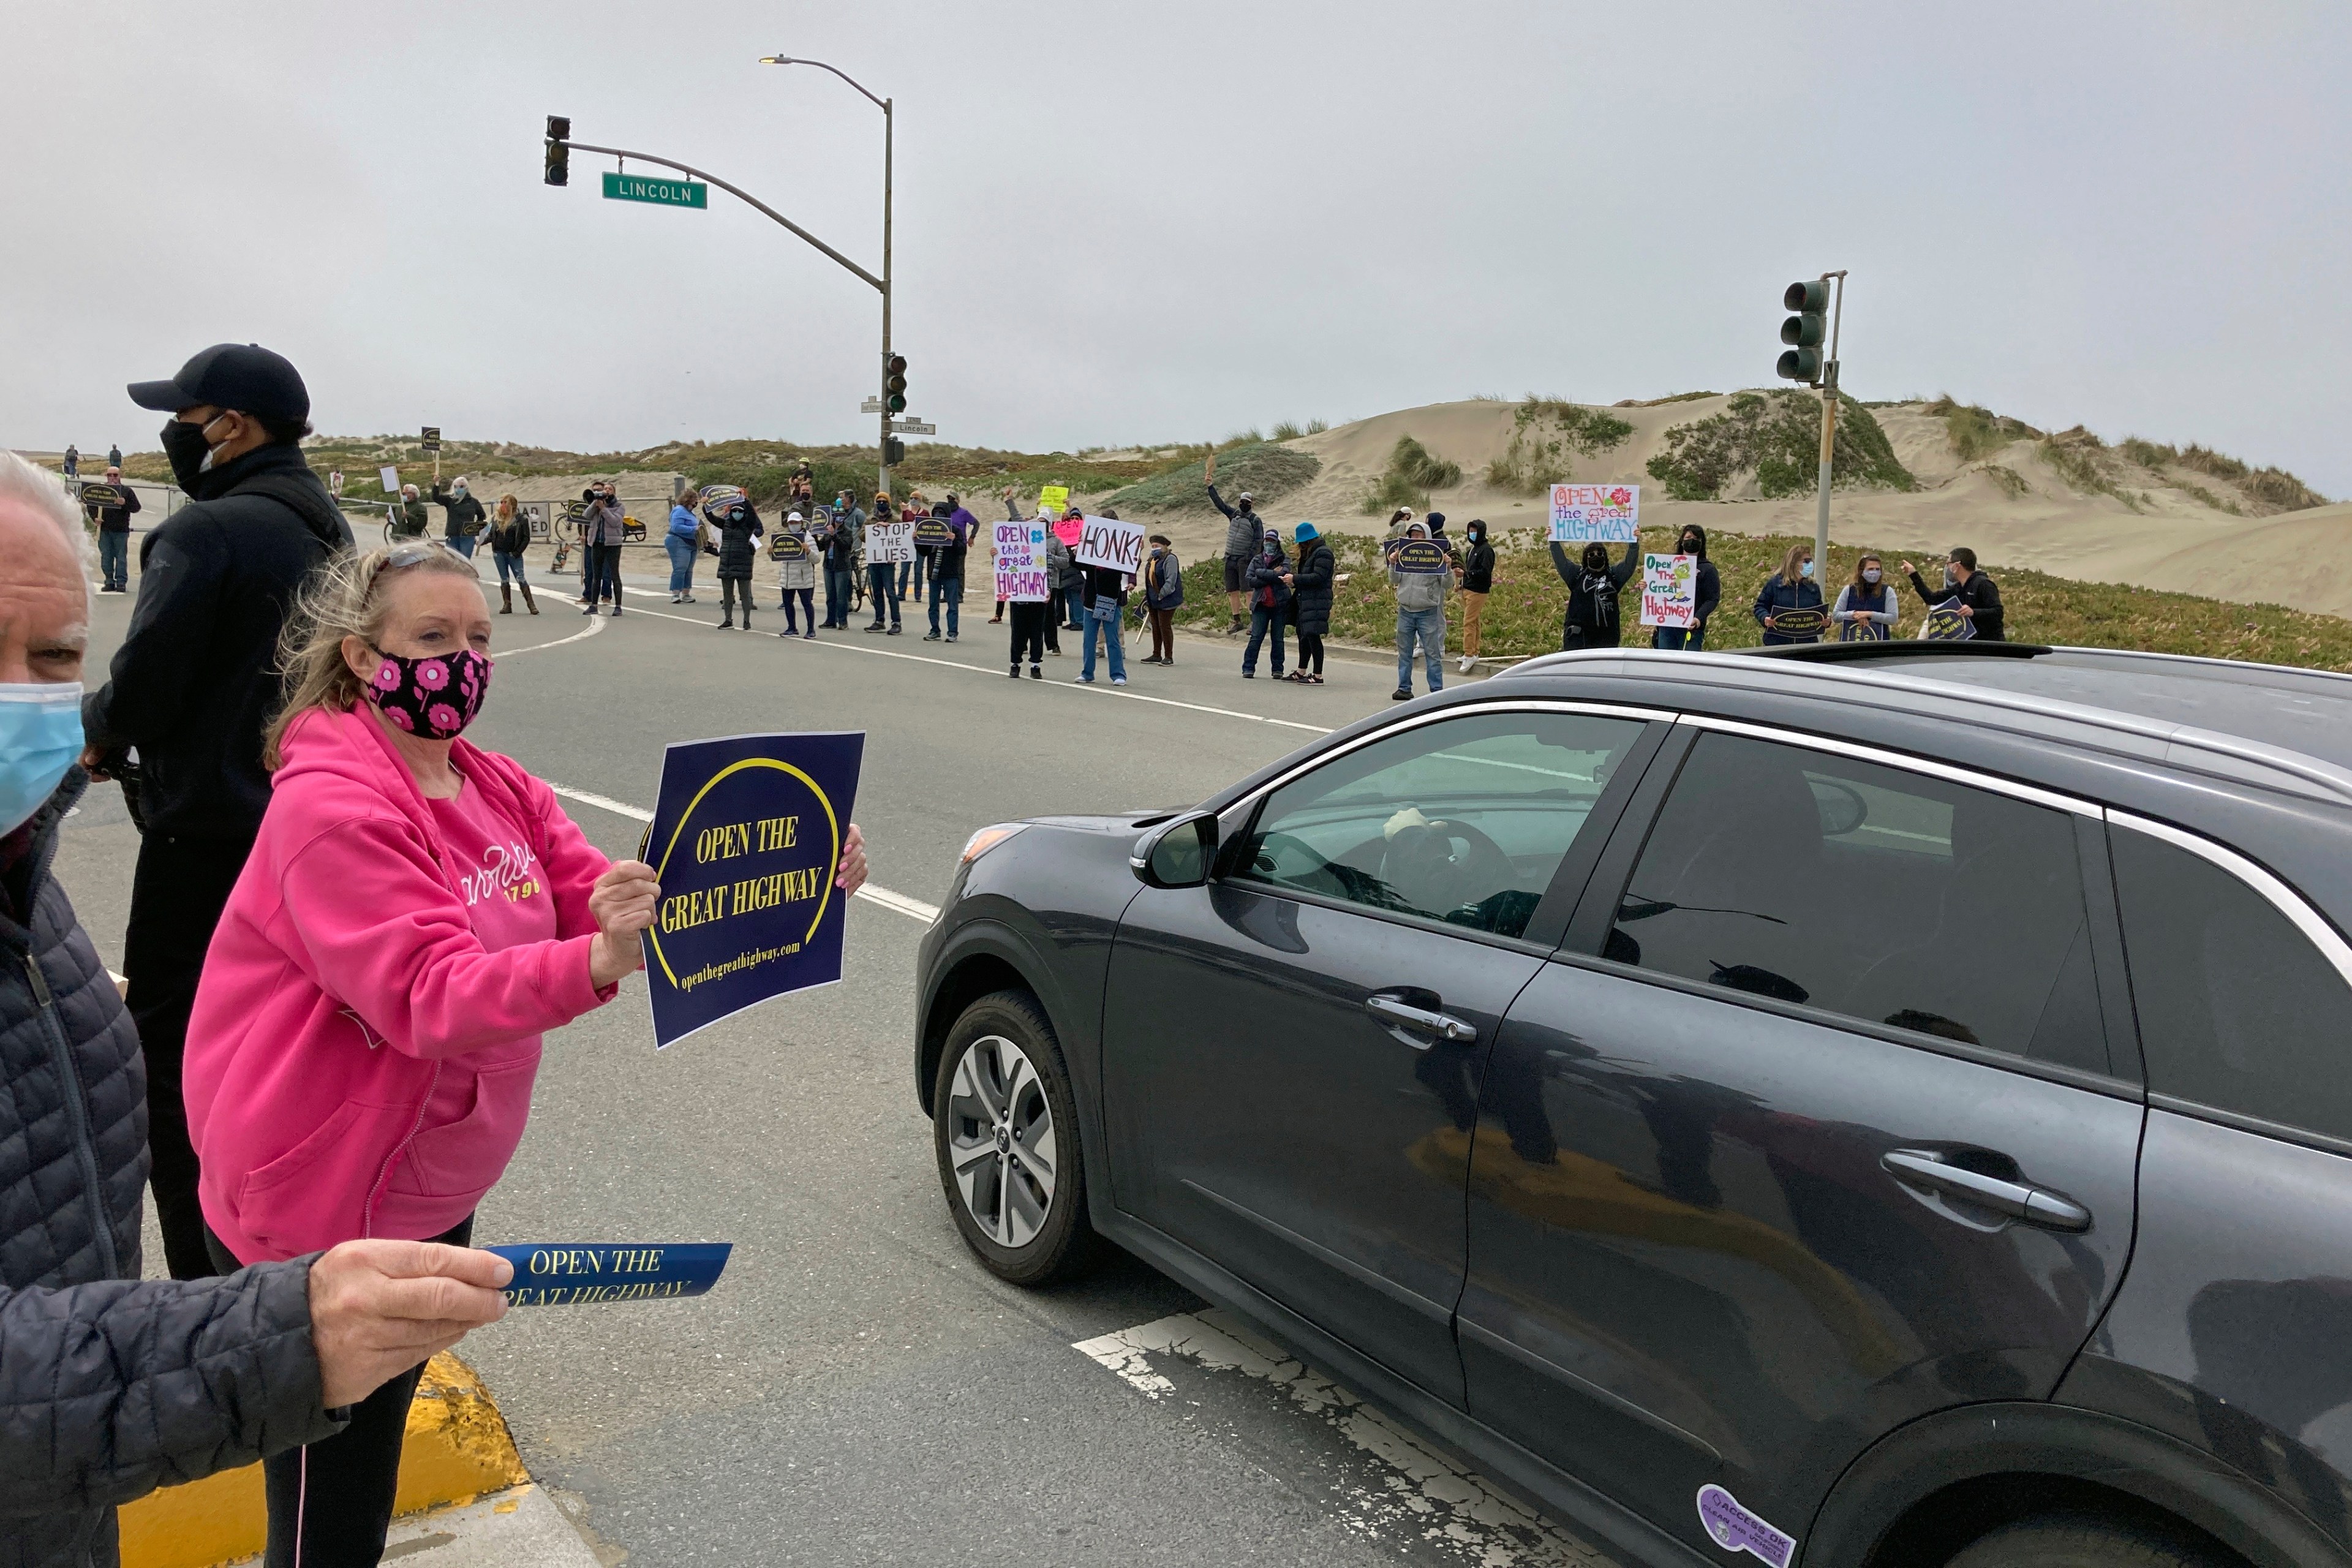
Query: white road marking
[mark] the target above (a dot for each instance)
(594, 626)
(1096, 690)
(897, 903)
(1420, 1494)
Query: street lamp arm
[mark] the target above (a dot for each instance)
(789, 60)
(740, 194)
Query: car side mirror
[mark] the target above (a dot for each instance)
(1181, 855)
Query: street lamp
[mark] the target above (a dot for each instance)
(889, 126)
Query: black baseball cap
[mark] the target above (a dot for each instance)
(243, 376)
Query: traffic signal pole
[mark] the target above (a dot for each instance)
(1829, 434)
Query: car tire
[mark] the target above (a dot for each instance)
(2086, 1540)
(1004, 1126)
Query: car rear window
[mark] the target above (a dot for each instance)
(2237, 1009)
(1869, 891)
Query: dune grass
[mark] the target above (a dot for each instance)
(1523, 614)
(1413, 472)
(1776, 436)
(1548, 434)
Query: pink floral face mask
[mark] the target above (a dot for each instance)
(434, 699)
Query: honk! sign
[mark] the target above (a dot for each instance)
(746, 841)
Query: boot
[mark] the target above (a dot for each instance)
(527, 602)
(505, 600)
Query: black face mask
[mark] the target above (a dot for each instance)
(185, 445)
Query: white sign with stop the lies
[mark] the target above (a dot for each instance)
(1108, 541)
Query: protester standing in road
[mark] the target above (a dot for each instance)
(1978, 595)
(1060, 565)
(114, 455)
(795, 561)
(683, 540)
(1593, 618)
(601, 533)
(461, 515)
(114, 534)
(1421, 612)
(1105, 607)
(1163, 596)
(407, 514)
(1243, 530)
(1310, 602)
(881, 576)
(418, 914)
(1267, 577)
(1706, 594)
(946, 570)
(113, 1386)
(839, 547)
(510, 538)
(191, 687)
(1866, 609)
(914, 508)
(727, 509)
(1790, 588)
(1070, 584)
(1475, 568)
(73, 462)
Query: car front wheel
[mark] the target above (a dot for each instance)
(2086, 1540)
(1006, 1128)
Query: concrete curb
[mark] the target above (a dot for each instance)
(457, 1449)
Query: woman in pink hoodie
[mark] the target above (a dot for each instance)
(416, 914)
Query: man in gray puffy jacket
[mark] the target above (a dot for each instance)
(109, 1386)
(1420, 570)
(1243, 529)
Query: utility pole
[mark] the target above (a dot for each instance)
(1804, 362)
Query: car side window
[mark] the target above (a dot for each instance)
(1869, 891)
(1464, 820)
(2237, 1009)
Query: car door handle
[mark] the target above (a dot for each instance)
(1421, 1019)
(2018, 1200)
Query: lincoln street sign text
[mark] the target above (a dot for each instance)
(653, 188)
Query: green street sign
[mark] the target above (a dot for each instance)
(657, 189)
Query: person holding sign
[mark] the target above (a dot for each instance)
(113, 519)
(1789, 605)
(1974, 597)
(1866, 609)
(1421, 569)
(417, 913)
(1103, 591)
(727, 509)
(1592, 618)
(795, 560)
(1706, 594)
(883, 563)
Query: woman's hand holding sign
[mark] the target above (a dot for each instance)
(852, 875)
(622, 903)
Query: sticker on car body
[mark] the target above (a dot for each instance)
(1735, 1528)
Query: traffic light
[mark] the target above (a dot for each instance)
(559, 149)
(894, 386)
(1805, 331)
(894, 452)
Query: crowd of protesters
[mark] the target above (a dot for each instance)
(350, 930)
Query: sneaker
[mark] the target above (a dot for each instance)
(1086, 681)
(877, 626)
(727, 626)
(809, 635)
(589, 611)
(952, 636)
(1249, 675)
(1468, 664)
(1053, 653)
(616, 609)
(1401, 694)
(894, 631)
(1118, 681)
(1036, 672)
(930, 637)
(1016, 672)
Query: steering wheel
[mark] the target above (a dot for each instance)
(1422, 858)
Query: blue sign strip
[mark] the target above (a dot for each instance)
(577, 1273)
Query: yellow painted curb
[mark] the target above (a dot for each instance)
(456, 1448)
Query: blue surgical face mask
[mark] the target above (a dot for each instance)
(40, 737)
(1806, 570)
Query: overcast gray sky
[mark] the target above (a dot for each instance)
(1121, 221)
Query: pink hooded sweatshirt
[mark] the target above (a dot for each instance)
(359, 1062)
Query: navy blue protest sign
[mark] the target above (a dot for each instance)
(746, 840)
(576, 1273)
(1946, 623)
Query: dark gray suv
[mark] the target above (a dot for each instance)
(1885, 1105)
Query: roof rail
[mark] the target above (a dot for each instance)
(1894, 651)
(2327, 778)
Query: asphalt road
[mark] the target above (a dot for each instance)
(857, 1390)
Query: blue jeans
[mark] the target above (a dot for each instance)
(948, 591)
(1102, 616)
(1073, 599)
(1428, 628)
(881, 587)
(114, 558)
(509, 567)
(681, 562)
(1263, 620)
(906, 584)
(1679, 639)
(840, 588)
(463, 544)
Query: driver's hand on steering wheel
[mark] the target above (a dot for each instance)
(1409, 818)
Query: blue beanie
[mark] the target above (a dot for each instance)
(1305, 532)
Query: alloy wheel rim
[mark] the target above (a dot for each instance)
(1001, 1142)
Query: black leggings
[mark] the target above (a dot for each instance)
(1028, 631)
(1310, 653)
(729, 589)
(337, 1494)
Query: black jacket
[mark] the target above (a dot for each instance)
(512, 537)
(1980, 594)
(116, 519)
(1592, 619)
(109, 1387)
(462, 514)
(1311, 588)
(195, 678)
(1097, 582)
(1263, 576)
(1478, 567)
(736, 553)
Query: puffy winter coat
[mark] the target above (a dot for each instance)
(1311, 588)
(109, 1387)
(736, 551)
(1244, 527)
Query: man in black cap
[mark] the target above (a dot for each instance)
(190, 688)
